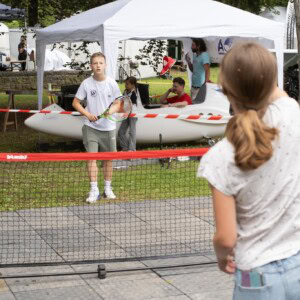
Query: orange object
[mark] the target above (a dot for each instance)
(168, 63)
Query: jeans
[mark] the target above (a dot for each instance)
(281, 281)
(128, 142)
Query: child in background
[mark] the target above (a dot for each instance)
(128, 142)
(254, 175)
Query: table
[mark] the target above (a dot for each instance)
(11, 105)
(16, 64)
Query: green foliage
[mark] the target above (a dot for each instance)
(255, 6)
(47, 12)
(152, 53)
(13, 24)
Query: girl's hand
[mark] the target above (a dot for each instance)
(227, 265)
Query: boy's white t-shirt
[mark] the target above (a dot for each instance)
(268, 198)
(99, 95)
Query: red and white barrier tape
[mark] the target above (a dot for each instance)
(132, 115)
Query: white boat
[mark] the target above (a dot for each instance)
(149, 130)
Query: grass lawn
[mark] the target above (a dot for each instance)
(51, 184)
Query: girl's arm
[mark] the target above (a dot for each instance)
(226, 233)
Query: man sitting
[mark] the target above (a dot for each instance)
(181, 99)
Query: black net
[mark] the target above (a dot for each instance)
(161, 209)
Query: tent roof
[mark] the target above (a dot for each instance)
(156, 19)
(144, 19)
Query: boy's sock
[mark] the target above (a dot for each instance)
(107, 185)
(94, 185)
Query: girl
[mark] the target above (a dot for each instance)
(254, 175)
(128, 143)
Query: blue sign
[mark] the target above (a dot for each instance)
(224, 47)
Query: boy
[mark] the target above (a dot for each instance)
(98, 135)
(181, 99)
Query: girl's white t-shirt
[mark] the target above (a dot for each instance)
(99, 95)
(268, 198)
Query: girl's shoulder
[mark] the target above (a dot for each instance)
(221, 153)
(284, 109)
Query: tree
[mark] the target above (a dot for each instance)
(255, 6)
(152, 54)
(47, 12)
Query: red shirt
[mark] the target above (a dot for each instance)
(184, 97)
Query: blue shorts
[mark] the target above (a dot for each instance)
(281, 281)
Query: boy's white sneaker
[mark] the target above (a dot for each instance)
(109, 194)
(94, 195)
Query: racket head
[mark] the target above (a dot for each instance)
(120, 109)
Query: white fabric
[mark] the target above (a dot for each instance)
(268, 198)
(155, 19)
(4, 28)
(99, 95)
(56, 60)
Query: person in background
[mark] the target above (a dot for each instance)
(254, 176)
(200, 67)
(22, 50)
(181, 99)
(99, 91)
(128, 142)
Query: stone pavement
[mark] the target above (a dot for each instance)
(204, 282)
(107, 231)
(113, 231)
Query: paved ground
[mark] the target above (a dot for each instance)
(201, 282)
(123, 230)
(107, 231)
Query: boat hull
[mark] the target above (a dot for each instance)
(148, 130)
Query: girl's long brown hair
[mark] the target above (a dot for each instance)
(248, 76)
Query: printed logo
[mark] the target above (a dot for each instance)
(20, 157)
(224, 47)
(93, 93)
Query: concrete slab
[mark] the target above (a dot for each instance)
(7, 296)
(133, 289)
(11, 221)
(65, 293)
(41, 283)
(177, 261)
(180, 297)
(5, 293)
(96, 254)
(179, 283)
(51, 217)
(3, 287)
(24, 246)
(207, 279)
(215, 295)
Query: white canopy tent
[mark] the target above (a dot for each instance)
(156, 19)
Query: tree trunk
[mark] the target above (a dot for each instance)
(33, 17)
(297, 14)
